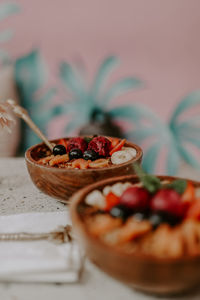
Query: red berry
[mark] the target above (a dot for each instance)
(101, 145)
(169, 201)
(77, 143)
(136, 198)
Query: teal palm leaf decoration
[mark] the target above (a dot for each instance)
(31, 77)
(86, 101)
(103, 73)
(186, 130)
(179, 139)
(6, 9)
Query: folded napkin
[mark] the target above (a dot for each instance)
(38, 261)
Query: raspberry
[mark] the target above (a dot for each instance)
(101, 145)
(77, 143)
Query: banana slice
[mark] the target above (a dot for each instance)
(131, 150)
(107, 189)
(95, 198)
(120, 157)
(126, 185)
(117, 189)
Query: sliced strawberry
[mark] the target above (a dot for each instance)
(194, 210)
(114, 142)
(118, 146)
(111, 200)
(63, 142)
(189, 193)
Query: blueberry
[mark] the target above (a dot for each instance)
(156, 220)
(172, 220)
(75, 153)
(120, 211)
(59, 150)
(140, 216)
(90, 155)
(163, 217)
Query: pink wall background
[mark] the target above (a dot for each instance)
(157, 41)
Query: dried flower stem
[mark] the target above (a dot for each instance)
(6, 120)
(61, 235)
(23, 114)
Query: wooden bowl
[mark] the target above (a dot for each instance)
(62, 183)
(145, 273)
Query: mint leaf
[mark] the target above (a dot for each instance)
(178, 185)
(150, 182)
(88, 139)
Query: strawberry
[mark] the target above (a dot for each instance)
(63, 142)
(118, 146)
(114, 141)
(189, 193)
(194, 210)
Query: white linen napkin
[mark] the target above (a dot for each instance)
(38, 261)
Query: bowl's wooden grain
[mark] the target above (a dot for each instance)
(62, 183)
(148, 274)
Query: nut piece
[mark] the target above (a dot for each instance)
(99, 163)
(45, 160)
(101, 224)
(59, 159)
(130, 231)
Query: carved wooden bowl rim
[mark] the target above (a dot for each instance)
(79, 197)
(31, 160)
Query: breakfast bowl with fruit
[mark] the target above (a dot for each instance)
(143, 230)
(78, 161)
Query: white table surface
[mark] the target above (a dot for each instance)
(19, 195)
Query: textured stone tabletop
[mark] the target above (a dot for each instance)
(19, 195)
(17, 192)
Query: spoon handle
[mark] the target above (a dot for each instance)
(32, 125)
